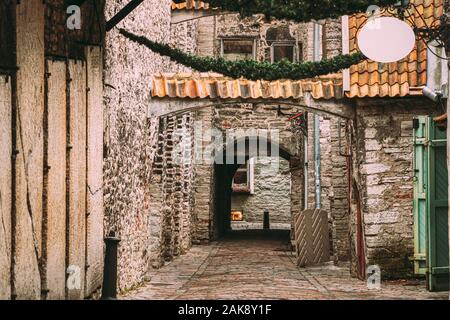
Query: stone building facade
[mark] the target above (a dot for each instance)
(154, 191)
(360, 231)
(133, 141)
(260, 121)
(385, 175)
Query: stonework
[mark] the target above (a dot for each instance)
(256, 120)
(384, 162)
(264, 32)
(171, 213)
(160, 206)
(130, 137)
(271, 192)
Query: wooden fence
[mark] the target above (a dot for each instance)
(51, 142)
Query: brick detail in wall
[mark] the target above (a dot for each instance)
(203, 182)
(172, 182)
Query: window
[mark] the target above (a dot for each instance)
(285, 50)
(243, 181)
(238, 49)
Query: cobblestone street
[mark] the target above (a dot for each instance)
(257, 265)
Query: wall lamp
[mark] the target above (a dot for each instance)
(433, 95)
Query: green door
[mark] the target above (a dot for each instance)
(437, 217)
(420, 195)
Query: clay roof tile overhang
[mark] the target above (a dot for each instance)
(406, 77)
(216, 86)
(190, 5)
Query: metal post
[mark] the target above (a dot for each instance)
(317, 160)
(266, 220)
(317, 57)
(109, 289)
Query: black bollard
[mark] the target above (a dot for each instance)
(266, 219)
(109, 289)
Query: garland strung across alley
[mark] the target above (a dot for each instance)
(251, 69)
(297, 10)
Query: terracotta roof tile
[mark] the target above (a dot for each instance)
(190, 5)
(213, 85)
(399, 79)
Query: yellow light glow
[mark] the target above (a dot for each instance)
(237, 215)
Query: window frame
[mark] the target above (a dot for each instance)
(250, 188)
(253, 39)
(294, 44)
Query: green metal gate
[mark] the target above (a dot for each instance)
(431, 203)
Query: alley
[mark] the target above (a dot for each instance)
(259, 265)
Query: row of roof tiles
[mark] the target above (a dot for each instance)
(367, 79)
(402, 78)
(190, 5)
(216, 86)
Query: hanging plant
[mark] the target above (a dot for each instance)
(297, 10)
(250, 69)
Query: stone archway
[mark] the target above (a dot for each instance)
(225, 168)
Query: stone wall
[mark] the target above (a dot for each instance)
(229, 26)
(171, 203)
(130, 137)
(231, 119)
(334, 186)
(204, 180)
(384, 161)
(272, 192)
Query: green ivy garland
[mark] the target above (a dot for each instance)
(297, 10)
(251, 69)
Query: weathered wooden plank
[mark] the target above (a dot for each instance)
(77, 182)
(56, 185)
(312, 237)
(29, 161)
(5, 186)
(94, 228)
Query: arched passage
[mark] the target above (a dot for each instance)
(229, 159)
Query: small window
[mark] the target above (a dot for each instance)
(243, 178)
(289, 51)
(238, 49)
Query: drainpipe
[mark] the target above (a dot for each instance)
(317, 57)
(317, 159)
(305, 168)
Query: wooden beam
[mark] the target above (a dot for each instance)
(122, 14)
(338, 108)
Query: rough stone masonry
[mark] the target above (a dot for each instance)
(131, 139)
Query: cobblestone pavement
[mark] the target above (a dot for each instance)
(254, 265)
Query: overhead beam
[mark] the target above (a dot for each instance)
(180, 16)
(122, 14)
(171, 106)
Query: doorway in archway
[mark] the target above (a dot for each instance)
(261, 195)
(253, 187)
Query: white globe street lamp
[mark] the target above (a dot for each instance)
(386, 39)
